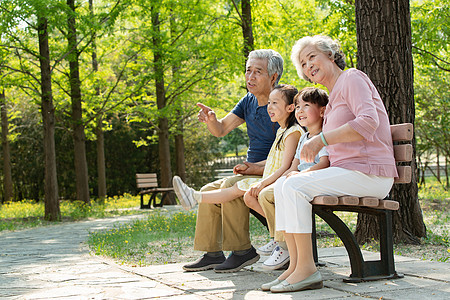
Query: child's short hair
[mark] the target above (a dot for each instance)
(312, 95)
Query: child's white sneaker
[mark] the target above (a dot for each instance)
(184, 193)
(267, 249)
(278, 259)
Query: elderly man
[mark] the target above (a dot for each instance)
(226, 226)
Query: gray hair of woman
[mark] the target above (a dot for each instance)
(274, 61)
(325, 44)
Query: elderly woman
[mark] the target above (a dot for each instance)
(356, 134)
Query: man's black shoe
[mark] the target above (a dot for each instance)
(204, 263)
(236, 262)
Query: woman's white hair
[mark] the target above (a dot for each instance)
(324, 44)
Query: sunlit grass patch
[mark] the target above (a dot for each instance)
(156, 239)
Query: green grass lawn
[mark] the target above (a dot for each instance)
(26, 214)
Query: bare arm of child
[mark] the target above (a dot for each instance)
(290, 143)
(323, 163)
(293, 168)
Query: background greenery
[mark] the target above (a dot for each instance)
(202, 41)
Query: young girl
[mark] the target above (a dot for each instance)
(310, 106)
(281, 109)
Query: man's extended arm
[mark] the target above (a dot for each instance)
(220, 127)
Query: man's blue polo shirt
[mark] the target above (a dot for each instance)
(261, 131)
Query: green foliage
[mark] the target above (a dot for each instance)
(431, 37)
(201, 48)
(233, 141)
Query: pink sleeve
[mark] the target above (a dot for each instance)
(360, 100)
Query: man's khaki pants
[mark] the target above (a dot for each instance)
(223, 226)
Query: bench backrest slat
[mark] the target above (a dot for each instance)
(404, 174)
(146, 175)
(149, 180)
(402, 132)
(403, 153)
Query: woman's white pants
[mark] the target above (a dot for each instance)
(293, 211)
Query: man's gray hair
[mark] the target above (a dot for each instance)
(274, 61)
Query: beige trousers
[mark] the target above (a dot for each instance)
(223, 226)
(266, 199)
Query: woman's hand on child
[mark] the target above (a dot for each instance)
(311, 148)
(205, 114)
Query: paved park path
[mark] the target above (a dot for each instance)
(53, 262)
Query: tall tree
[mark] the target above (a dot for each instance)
(52, 210)
(7, 177)
(101, 168)
(161, 101)
(383, 29)
(180, 161)
(246, 24)
(20, 19)
(79, 136)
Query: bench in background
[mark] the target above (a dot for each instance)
(324, 206)
(148, 184)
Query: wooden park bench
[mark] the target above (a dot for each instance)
(324, 206)
(148, 184)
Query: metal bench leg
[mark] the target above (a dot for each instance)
(350, 243)
(152, 199)
(163, 196)
(365, 270)
(142, 201)
(387, 245)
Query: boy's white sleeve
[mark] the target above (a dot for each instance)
(323, 152)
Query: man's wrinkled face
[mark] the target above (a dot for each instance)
(257, 77)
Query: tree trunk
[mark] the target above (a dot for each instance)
(179, 150)
(52, 210)
(79, 138)
(163, 122)
(7, 177)
(101, 168)
(383, 29)
(438, 165)
(247, 29)
(180, 161)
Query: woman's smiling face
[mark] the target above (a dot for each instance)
(316, 65)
